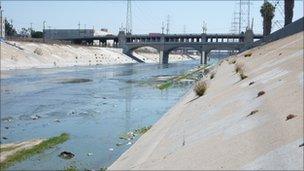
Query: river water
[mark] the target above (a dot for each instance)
(39, 103)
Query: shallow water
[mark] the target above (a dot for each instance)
(103, 103)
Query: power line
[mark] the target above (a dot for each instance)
(149, 19)
(279, 9)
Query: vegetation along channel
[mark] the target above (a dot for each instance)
(103, 109)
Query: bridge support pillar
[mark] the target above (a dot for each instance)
(203, 59)
(163, 57)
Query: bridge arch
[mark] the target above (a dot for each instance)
(138, 52)
(168, 51)
(172, 48)
(133, 48)
(164, 54)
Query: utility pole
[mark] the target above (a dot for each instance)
(79, 25)
(43, 31)
(121, 27)
(163, 27)
(168, 24)
(2, 24)
(129, 17)
(184, 29)
(31, 29)
(248, 15)
(44, 24)
(204, 27)
(240, 17)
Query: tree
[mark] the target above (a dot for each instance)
(267, 12)
(9, 29)
(36, 34)
(288, 10)
(24, 32)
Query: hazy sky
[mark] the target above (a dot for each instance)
(147, 15)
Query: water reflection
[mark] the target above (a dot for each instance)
(118, 99)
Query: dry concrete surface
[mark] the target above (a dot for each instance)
(24, 55)
(216, 131)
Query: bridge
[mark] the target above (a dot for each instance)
(165, 43)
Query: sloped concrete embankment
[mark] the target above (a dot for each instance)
(250, 123)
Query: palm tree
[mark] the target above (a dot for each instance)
(267, 12)
(288, 9)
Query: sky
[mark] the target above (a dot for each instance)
(147, 16)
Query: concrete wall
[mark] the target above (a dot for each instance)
(290, 29)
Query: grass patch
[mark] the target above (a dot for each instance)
(200, 88)
(212, 75)
(131, 134)
(26, 153)
(260, 93)
(178, 78)
(253, 112)
(233, 61)
(8, 148)
(243, 76)
(142, 130)
(239, 68)
(165, 85)
(247, 55)
(71, 168)
(103, 169)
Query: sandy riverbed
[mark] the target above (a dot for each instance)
(216, 131)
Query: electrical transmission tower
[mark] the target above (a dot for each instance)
(168, 24)
(163, 28)
(279, 15)
(241, 17)
(129, 18)
(235, 24)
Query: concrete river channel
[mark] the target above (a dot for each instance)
(95, 105)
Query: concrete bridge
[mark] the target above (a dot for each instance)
(165, 43)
